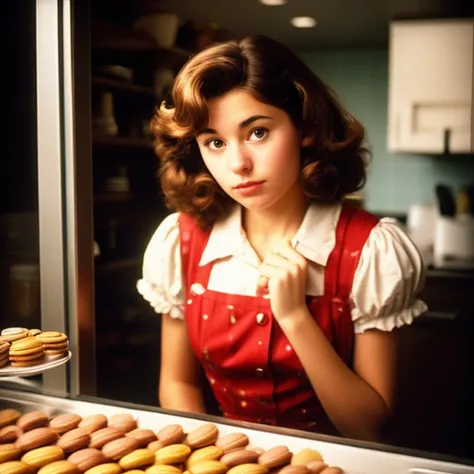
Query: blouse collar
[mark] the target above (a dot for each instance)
(315, 238)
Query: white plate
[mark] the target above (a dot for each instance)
(50, 363)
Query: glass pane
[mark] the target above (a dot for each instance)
(19, 254)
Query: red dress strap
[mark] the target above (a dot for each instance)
(193, 241)
(352, 231)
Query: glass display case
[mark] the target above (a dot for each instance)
(50, 212)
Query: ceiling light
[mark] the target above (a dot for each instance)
(273, 3)
(303, 22)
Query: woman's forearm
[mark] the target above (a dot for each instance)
(175, 395)
(352, 405)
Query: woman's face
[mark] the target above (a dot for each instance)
(252, 150)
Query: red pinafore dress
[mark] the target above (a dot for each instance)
(253, 371)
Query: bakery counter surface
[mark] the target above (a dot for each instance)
(353, 457)
(439, 273)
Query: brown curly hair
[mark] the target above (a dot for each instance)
(333, 166)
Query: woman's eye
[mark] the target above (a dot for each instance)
(215, 144)
(258, 133)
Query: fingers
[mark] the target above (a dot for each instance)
(286, 257)
(287, 251)
(280, 265)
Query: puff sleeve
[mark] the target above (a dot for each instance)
(389, 276)
(161, 282)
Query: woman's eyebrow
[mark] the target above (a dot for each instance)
(252, 119)
(242, 125)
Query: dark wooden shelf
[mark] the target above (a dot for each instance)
(110, 84)
(125, 142)
(117, 38)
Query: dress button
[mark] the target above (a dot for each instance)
(262, 319)
(197, 289)
(259, 372)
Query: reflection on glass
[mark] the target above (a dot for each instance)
(19, 257)
(20, 305)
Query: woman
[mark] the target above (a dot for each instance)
(285, 297)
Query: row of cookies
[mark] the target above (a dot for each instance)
(23, 347)
(70, 444)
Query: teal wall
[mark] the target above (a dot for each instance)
(360, 79)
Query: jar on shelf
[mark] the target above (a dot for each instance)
(25, 293)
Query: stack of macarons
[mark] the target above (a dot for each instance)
(28, 347)
(26, 352)
(55, 343)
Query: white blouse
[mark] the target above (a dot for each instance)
(388, 278)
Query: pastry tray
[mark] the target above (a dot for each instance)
(50, 363)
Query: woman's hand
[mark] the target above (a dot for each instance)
(283, 276)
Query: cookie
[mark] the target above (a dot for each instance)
(4, 348)
(28, 363)
(118, 448)
(32, 419)
(36, 438)
(34, 332)
(26, 352)
(101, 437)
(9, 434)
(171, 434)
(275, 457)
(232, 441)
(13, 334)
(74, 440)
(52, 337)
(87, 458)
(66, 422)
(93, 423)
(64, 346)
(239, 456)
(143, 436)
(124, 422)
(4, 360)
(202, 436)
(9, 452)
(27, 345)
(9, 416)
(15, 467)
(39, 457)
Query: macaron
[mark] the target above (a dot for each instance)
(9, 416)
(65, 422)
(55, 343)
(26, 352)
(4, 350)
(13, 334)
(32, 419)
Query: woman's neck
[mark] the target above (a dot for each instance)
(267, 228)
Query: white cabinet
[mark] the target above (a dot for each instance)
(430, 107)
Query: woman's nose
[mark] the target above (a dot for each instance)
(240, 161)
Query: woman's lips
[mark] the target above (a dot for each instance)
(249, 188)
